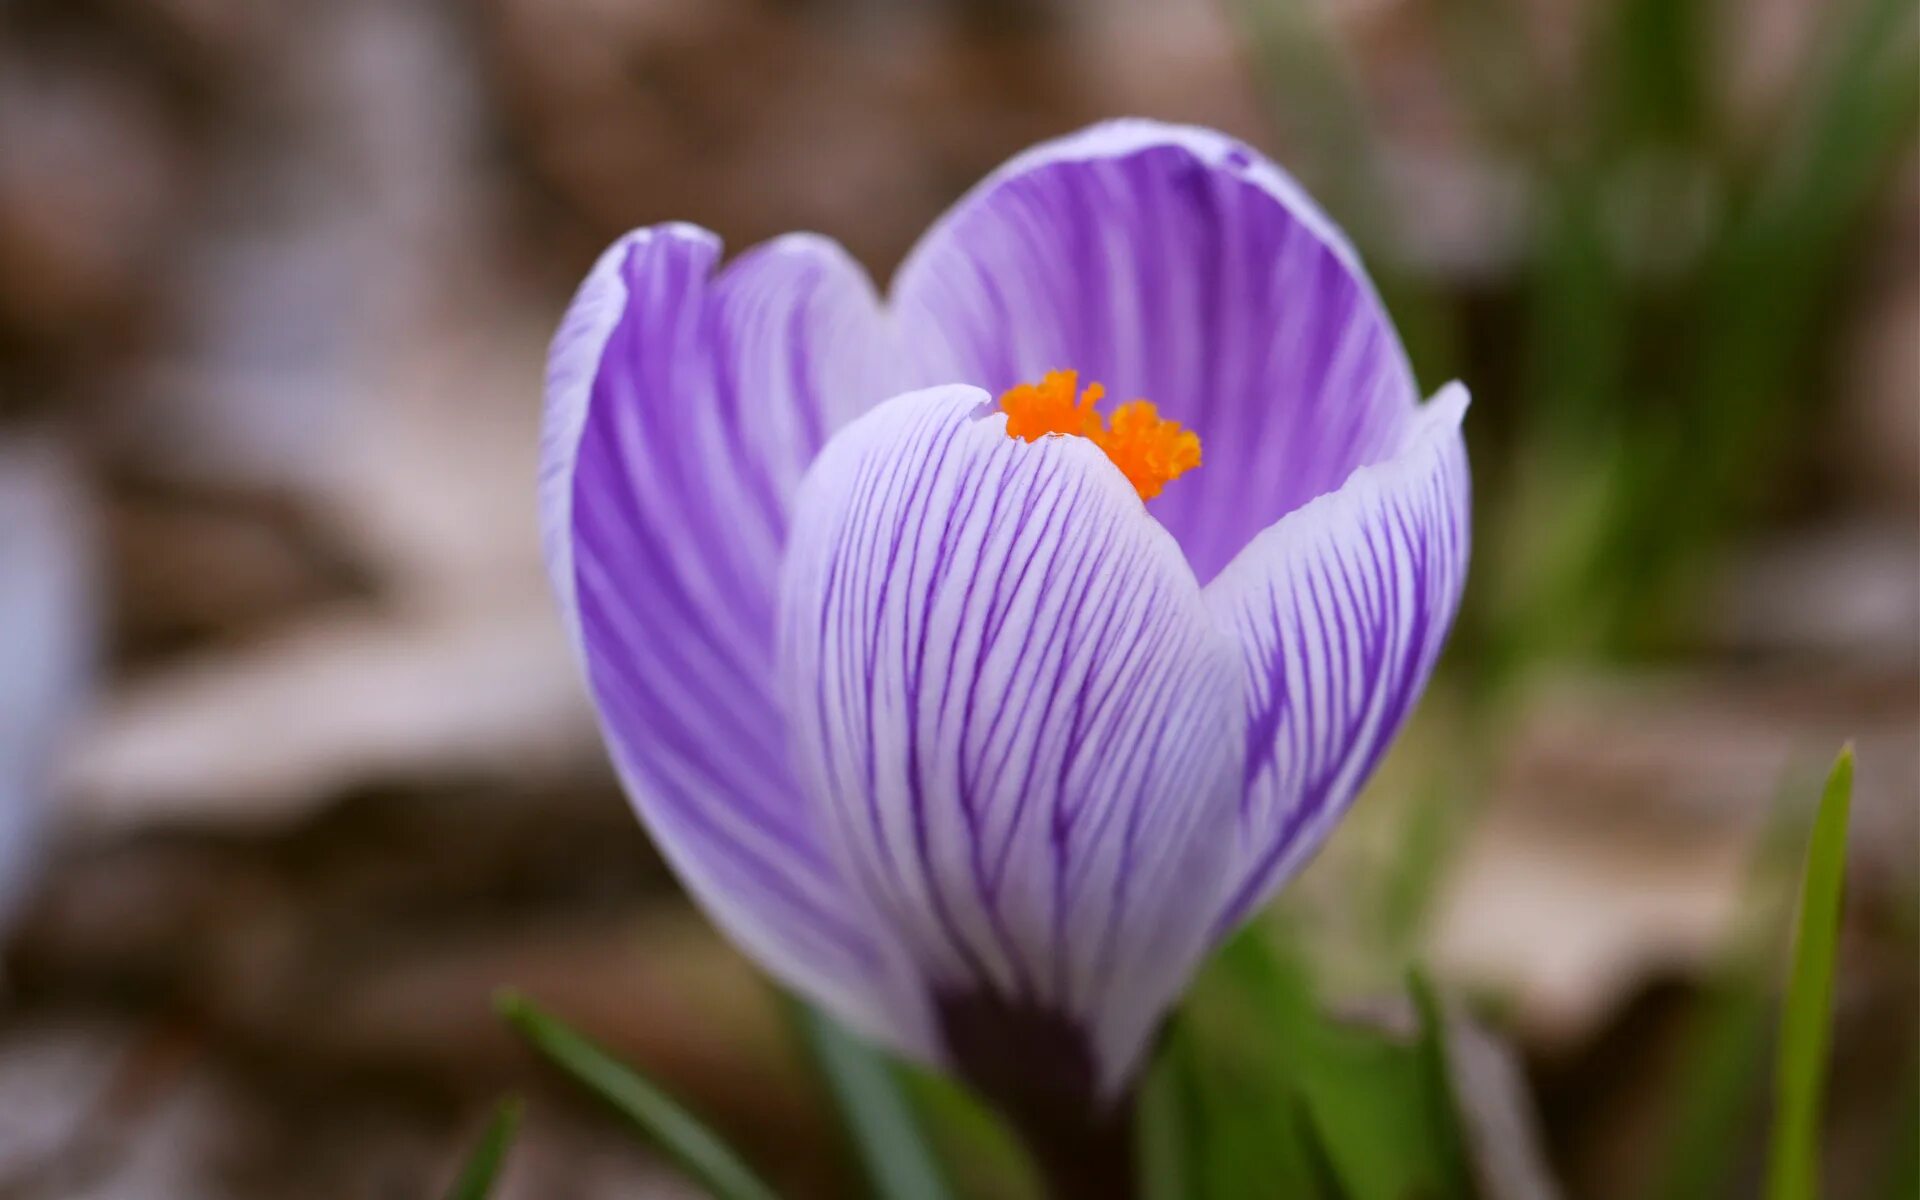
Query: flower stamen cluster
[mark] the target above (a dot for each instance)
(1150, 450)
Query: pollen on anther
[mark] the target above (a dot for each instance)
(1054, 405)
(1150, 450)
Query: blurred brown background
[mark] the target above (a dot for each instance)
(290, 745)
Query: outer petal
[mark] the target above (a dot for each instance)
(682, 410)
(1010, 701)
(1176, 264)
(1341, 609)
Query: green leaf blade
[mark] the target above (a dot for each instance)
(1806, 1019)
(1257, 1093)
(879, 1116)
(476, 1178)
(1435, 1058)
(698, 1151)
(1717, 1084)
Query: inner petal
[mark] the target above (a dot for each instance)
(1150, 450)
(1177, 264)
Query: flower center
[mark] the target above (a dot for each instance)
(1150, 452)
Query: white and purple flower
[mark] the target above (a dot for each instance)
(938, 716)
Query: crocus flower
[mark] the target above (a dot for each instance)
(973, 709)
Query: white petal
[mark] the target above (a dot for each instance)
(1008, 697)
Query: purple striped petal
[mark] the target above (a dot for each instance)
(683, 407)
(1341, 609)
(1016, 713)
(1176, 264)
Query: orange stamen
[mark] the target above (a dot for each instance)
(1050, 407)
(1149, 450)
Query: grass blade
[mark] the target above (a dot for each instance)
(1716, 1086)
(1805, 1023)
(696, 1149)
(879, 1117)
(1169, 1114)
(1900, 1170)
(476, 1178)
(980, 1154)
(1436, 1070)
(1362, 1127)
(1724, 1058)
(1219, 1116)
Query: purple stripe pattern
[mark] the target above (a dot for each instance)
(1340, 609)
(682, 409)
(920, 711)
(1019, 718)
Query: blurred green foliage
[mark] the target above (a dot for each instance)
(1715, 1092)
(1660, 342)
(1256, 1089)
(879, 1118)
(1648, 362)
(477, 1175)
(1258, 1092)
(703, 1155)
